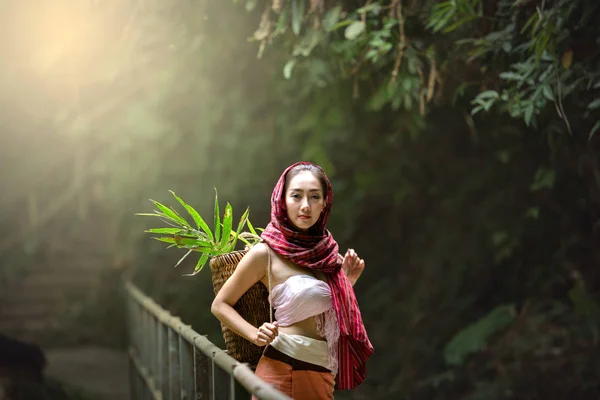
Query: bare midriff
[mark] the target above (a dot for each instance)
(307, 327)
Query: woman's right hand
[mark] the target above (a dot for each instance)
(266, 333)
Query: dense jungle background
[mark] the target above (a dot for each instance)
(461, 138)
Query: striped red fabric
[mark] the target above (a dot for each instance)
(318, 250)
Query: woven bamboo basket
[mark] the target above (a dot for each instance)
(253, 306)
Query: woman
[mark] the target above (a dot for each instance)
(318, 332)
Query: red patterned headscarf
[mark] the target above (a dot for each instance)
(317, 249)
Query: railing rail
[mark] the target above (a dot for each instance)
(169, 360)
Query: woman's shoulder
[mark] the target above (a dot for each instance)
(258, 252)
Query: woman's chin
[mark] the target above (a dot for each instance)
(303, 226)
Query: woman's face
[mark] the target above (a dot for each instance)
(304, 200)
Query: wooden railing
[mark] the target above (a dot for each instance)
(169, 360)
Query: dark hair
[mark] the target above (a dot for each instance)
(317, 173)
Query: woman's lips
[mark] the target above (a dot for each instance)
(304, 217)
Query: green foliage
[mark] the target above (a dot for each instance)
(540, 72)
(530, 46)
(584, 303)
(474, 337)
(201, 238)
(447, 16)
(544, 178)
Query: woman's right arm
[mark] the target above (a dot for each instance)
(251, 269)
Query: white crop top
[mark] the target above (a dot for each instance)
(304, 296)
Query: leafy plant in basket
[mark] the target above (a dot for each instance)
(201, 238)
(219, 247)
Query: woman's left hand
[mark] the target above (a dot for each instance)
(353, 266)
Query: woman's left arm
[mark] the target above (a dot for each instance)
(353, 266)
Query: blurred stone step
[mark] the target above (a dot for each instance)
(15, 328)
(76, 240)
(45, 279)
(46, 294)
(70, 264)
(19, 311)
(92, 251)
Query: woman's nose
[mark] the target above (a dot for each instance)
(304, 204)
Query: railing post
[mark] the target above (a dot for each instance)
(148, 349)
(174, 374)
(155, 352)
(186, 368)
(231, 387)
(144, 339)
(221, 389)
(163, 360)
(143, 350)
(202, 376)
(139, 350)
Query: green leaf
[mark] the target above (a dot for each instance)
(168, 231)
(458, 23)
(250, 5)
(209, 251)
(165, 239)
(593, 131)
(217, 219)
(530, 21)
(297, 16)
(474, 337)
(533, 212)
(306, 45)
(475, 110)
(288, 68)
(227, 222)
(331, 18)
(171, 213)
(584, 303)
(194, 214)
(373, 7)
(511, 76)
(499, 238)
(594, 104)
(236, 237)
(484, 101)
(504, 156)
(547, 92)
(529, 113)
(251, 228)
(281, 26)
(341, 24)
(199, 265)
(161, 216)
(544, 178)
(191, 241)
(488, 94)
(241, 224)
(441, 14)
(183, 258)
(354, 30)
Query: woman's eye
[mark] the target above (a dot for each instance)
(316, 197)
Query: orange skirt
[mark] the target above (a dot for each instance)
(298, 384)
